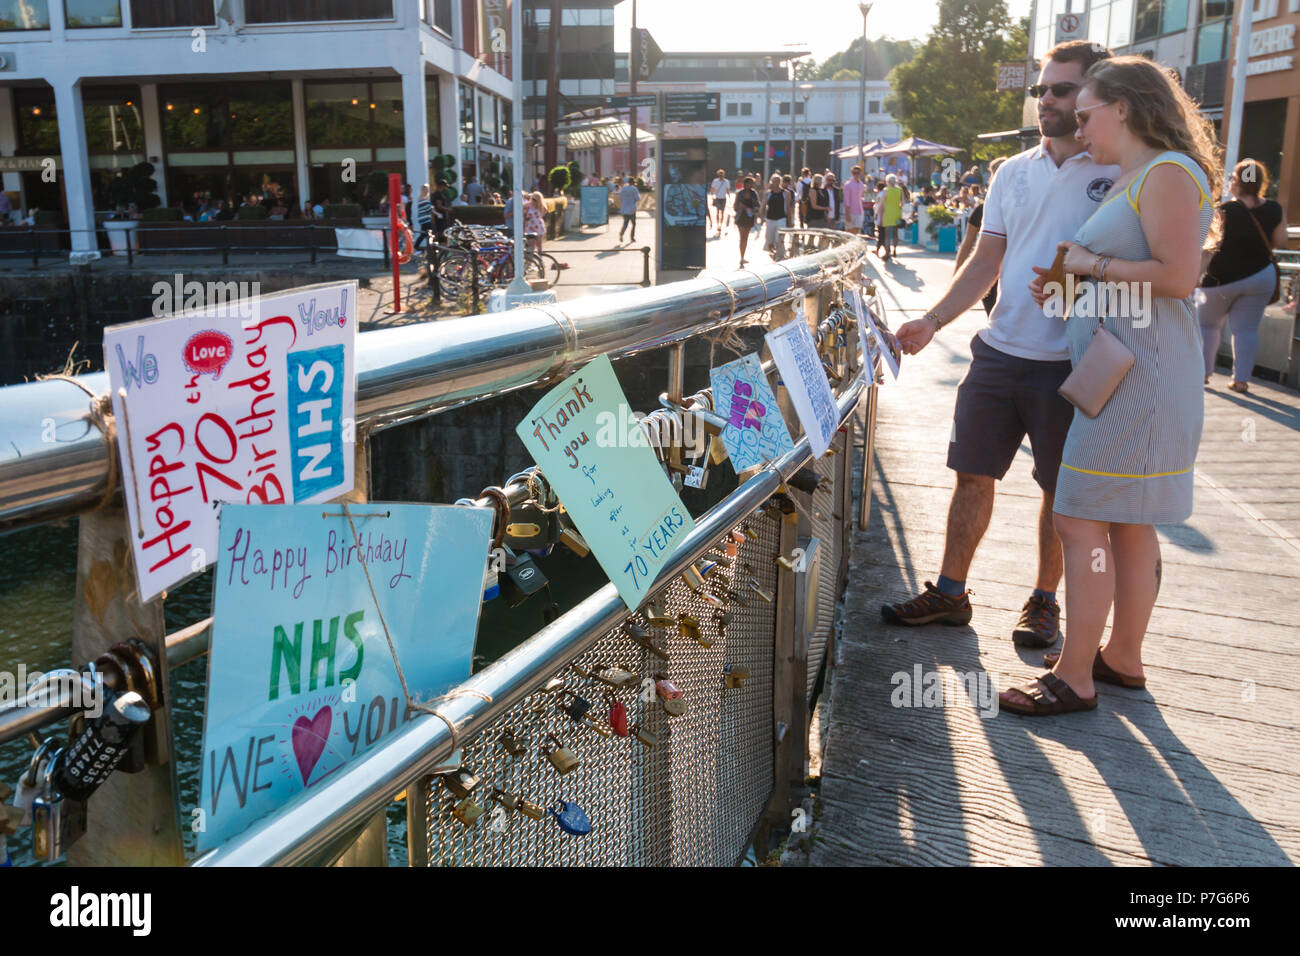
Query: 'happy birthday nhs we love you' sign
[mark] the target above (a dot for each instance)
(586, 442)
(249, 402)
(300, 676)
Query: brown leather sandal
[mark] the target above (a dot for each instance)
(1047, 695)
(1102, 671)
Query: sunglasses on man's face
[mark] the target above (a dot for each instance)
(1059, 90)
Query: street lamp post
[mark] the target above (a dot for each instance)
(807, 123)
(794, 123)
(767, 122)
(862, 98)
(518, 285)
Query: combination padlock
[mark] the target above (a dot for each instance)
(561, 757)
(102, 744)
(571, 818)
(460, 782)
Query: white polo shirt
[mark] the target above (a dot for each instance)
(1034, 204)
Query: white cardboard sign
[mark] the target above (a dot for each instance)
(795, 354)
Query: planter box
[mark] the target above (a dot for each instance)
(120, 232)
(948, 238)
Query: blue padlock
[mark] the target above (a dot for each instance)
(572, 819)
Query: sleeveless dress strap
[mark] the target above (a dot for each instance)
(1134, 191)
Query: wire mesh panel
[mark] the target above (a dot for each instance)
(686, 792)
(825, 527)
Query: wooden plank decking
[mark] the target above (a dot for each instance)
(1200, 768)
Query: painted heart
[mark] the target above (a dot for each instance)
(309, 738)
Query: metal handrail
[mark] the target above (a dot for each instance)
(414, 371)
(318, 824)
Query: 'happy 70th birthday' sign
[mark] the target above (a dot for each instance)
(250, 403)
(611, 484)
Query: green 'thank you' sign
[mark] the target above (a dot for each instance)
(586, 441)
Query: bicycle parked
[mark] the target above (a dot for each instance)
(493, 249)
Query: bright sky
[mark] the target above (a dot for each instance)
(822, 26)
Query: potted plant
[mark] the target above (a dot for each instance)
(132, 188)
(942, 227)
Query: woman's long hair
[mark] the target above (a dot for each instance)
(1160, 112)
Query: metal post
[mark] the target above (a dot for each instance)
(862, 97)
(794, 120)
(767, 123)
(676, 386)
(645, 265)
(633, 68)
(225, 246)
(518, 285)
(1237, 106)
(473, 271)
(394, 204)
(311, 240)
(384, 232)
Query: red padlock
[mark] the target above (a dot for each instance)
(618, 716)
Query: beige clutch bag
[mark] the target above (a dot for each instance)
(1093, 381)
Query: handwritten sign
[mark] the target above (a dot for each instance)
(756, 432)
(795, 354)
(250, 401)
(586, 441)
(868, 330)
(300, 676)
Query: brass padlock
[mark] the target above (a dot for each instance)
(690, 627)
(656, 616)
(467, 812)
(460, 782)
(575, 542)
(692, 577)
(512, 744)
(758, 589)
(645, 735)
(749, 530)
(789, 564)
(599, 726)
(735, 675)
(675, 707)
(510, 801)
(561, 757)
(641, 636)
(531, 810)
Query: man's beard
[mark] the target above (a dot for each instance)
(1058, 125)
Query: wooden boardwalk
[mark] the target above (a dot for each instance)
(1200, 768)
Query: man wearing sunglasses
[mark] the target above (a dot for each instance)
(1019, 360)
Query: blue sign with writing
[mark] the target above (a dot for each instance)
(756, 432)
(300, 676)
(316, 419)
(595, 206)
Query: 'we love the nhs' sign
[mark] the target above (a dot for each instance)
(248, 402)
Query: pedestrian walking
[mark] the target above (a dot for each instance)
(835, 211)
(801, 195)
(1241, 278)
(423, 216)
(628, 199)
(1020, 358)
(776, 212)
(889, 213)
(746, 212)
(1128, 466)
(818, 198)
(852, 193)
(720, 190)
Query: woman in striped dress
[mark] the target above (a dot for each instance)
(1129, 468)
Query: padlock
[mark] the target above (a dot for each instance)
(656, 616)
(712, 562)
(690, 627)
(460, 782)
(576, 707)
(712, 599)
(721, 618)
(32, 781)
(510, 801)
(467, 812)
(532, 811)
(101, 745)
(692, 577)
(47, 815)
(735, 675)
(593, 722)
(561, 757)
(144, 680)
(642, 637)
(523, 578)
(575, 542)
(675, 707)
(512, 744)
(667, 689)
(736, 596)
(617, 715)
(790, 564)
(571, 818)
(613, 676)
(645, 735)
(758, 589)
(532, 529)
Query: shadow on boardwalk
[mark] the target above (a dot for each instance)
(1199, 769)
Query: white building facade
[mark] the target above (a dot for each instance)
(221, 97)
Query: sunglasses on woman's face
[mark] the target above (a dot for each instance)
(1059, 90)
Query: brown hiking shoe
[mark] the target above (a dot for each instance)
(931, 607)
(1040, 623)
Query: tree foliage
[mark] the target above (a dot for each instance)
(946, 92)
(882, 56)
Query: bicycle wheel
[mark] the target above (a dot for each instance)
(534, 268)
(549, 268)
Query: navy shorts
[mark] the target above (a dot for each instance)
(1002, 399)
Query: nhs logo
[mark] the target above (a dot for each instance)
(316, 419)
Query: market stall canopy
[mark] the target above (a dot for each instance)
(915, 146)
(598, 133)
(851, 152)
